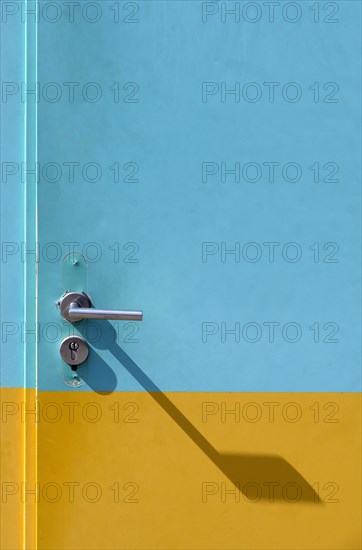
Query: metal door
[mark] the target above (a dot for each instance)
(197, 161)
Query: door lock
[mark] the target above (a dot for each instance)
(74, 351)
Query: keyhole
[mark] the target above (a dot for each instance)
(73, 346)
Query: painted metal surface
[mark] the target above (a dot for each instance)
(165, 241)
(200, 164)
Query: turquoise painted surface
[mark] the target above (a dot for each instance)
(12, 70)
(139, 121)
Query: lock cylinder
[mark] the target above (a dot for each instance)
(74, 351)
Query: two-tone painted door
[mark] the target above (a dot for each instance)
(199, 162)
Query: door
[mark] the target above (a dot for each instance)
(198, 162)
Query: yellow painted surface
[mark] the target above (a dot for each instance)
(158, 471)
(17, 442)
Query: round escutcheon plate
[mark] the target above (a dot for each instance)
(74, 350)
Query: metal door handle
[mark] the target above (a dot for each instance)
(75, 306)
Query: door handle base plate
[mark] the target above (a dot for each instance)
(68, 298)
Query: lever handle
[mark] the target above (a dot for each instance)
(75, 306)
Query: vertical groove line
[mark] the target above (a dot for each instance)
(30, 507)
